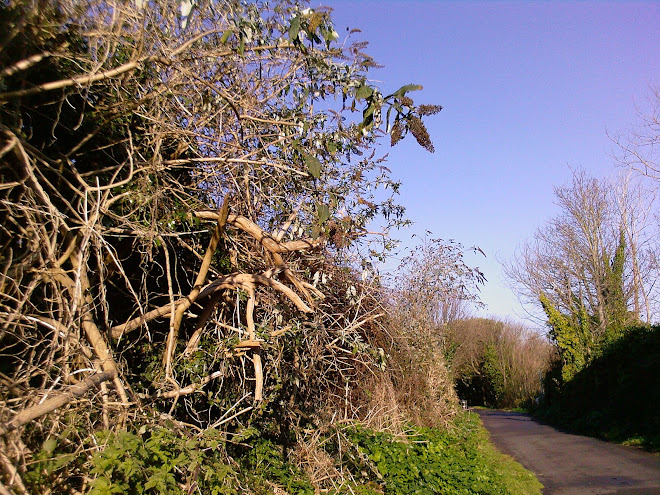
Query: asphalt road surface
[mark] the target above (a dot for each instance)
(569, 464)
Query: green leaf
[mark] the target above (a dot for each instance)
(363, 91)
(294, 28)
(49, 445)
(405, 89)
(104, 486)
(322, 212)
(313, 165)
(225, 36)
(368, 120)
(387, 116)
(368, 116)
(369, 111)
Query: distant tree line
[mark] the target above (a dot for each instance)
(496, 363)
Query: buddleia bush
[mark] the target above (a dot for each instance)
(187, 194)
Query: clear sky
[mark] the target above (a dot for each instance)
(529, 89)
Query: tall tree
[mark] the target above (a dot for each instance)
(637, 151)
(580, 270)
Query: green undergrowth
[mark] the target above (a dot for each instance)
(456, 461)
(459, 461)
(162, 460)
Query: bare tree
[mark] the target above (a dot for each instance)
(638, 151)
(635, 203)
(568, 258)
(639, 147)
(589, 268)
(434, 283)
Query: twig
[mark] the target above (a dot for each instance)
(186, 390)
(12, 473)
(222, 422)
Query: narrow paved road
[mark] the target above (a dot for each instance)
(571, 464)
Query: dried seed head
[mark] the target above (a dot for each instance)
(429, 109)
(397, 133)
(418, 129)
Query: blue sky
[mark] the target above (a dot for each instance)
(529, 89)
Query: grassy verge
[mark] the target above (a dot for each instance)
(518, 480)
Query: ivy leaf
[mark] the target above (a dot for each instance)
(313, 165)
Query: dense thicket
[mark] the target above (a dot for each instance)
(189, 202)
(616, 396)
(432, 286)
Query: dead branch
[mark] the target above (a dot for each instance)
(201, 278)
(256, 356)
(232, 281)
(191, 347)
(268, 241)
(54, 403)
